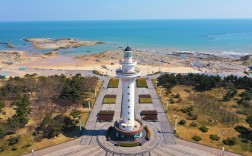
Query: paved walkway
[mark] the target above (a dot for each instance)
(165, 126)
(93, 139)
(91, 128)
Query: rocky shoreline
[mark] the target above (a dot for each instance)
(57, 44)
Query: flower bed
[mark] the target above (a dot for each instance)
(113, 83)
(141, 83)
(145, 98)
(129, 144)
(109, 99)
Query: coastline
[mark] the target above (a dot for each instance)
(106, 62)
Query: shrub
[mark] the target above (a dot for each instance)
(196, 138)
(182, 122)
(230, 94)
(249, 120)
(26, 145)
(192, 116)
(38, 138)
(203, 129)
(177, 96)
(1, 149)
(214, 137)
(193, 124)
(14, 148)
(13, 140)
(187, 109)
(242, 130)
(230, 141)
(75, 113)
(176, 135)
(187, 90)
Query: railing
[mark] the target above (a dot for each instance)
(120, 72)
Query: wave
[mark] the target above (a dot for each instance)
(229, 35)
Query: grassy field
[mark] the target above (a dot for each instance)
(186, 131)
(113, 83)
(141, 83)
(145, 100)
(26, 138)
(109, 101)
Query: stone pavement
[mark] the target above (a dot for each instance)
(163, 142)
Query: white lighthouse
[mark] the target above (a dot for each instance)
(128, 75)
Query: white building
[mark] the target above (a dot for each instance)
(128, 75)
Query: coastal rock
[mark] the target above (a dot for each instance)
(65, 43)
(247, 60)
(52, 53)
(8, 45)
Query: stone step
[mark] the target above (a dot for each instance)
(109, 154)
(89, 152)
(146, 154)
(185, 151)
(70, 151)
(157, 152)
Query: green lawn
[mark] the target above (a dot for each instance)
(109, 101)
(113, 83)
(141, 83)
(145, 100)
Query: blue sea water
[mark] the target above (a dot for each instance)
(213, 36)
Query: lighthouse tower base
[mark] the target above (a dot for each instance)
(128, 135)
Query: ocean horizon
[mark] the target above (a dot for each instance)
(217, 36)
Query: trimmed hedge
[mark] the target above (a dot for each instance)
(129, 144)
(148, 133)
(108, 133)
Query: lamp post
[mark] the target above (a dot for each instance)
(176, 122)
(223, 151)
(160, 94)
(80, 122)
(32, 152)
(221, 133)
(166, 107)
(89, 105)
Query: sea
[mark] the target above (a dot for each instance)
(215, 36)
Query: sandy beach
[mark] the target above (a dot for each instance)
(107, 62)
